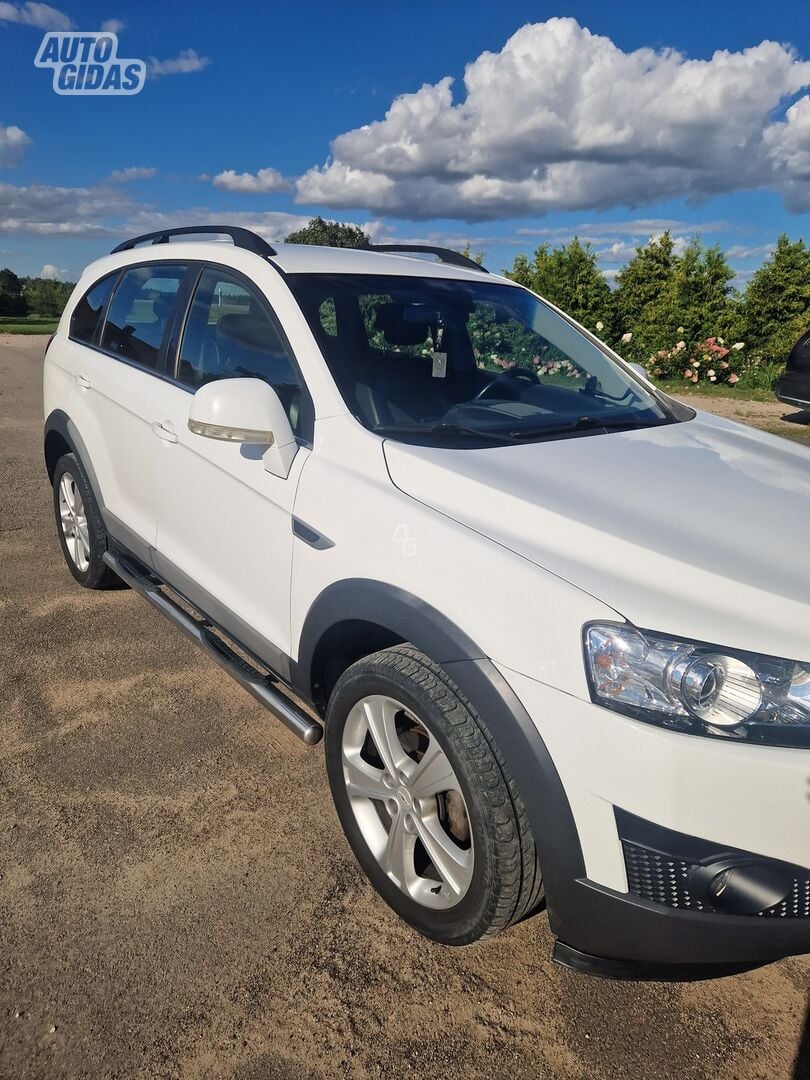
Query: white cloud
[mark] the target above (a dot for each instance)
(53, 273)
(563, 119)
(43, 16)
(757, 251)
(641, 228)
(13, 144)
(272, 225)
(788, 146)
(621, 251)
(186, 61)
(112, 26)
(106, 210)
(618, 252)
(44, 210)
(251, 183)
(134, 172)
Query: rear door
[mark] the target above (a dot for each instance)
(224, 535)
(114, 407)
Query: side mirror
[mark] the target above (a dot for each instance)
(639, 370)
(245, 411)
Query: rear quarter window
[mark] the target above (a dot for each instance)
(85, 318)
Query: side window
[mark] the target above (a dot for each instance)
(139, 311)
(84, 320)
(230, 333)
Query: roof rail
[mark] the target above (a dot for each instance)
(446, 255)
(242, 238)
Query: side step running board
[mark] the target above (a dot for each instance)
(260, 686)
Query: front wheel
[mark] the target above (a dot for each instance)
(425, 800)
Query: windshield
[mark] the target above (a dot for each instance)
(444, 361)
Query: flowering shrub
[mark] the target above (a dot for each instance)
(709, 361)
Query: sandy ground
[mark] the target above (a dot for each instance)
(176, 898)
(773, 416)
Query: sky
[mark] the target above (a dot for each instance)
(503, 124)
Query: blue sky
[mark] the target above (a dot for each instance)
(563, 129)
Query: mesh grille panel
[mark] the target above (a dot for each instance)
(664, 879)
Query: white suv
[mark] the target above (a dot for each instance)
(555, 625)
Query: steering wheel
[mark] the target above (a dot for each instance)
(511, 375)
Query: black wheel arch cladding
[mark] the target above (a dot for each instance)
(411, 619)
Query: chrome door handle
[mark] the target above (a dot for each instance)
(83, 381)
(164, 431)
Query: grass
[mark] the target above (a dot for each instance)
(706, 389)
(27, 324)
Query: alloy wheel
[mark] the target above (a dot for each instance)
(74, 522)
(407, 802)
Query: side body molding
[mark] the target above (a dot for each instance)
(517, 738)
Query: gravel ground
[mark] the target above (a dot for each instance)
(176, 898)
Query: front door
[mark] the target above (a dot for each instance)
(224, 533)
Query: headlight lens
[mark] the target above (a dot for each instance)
(698, 688)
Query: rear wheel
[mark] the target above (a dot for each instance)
(426, 802)
(80, 525)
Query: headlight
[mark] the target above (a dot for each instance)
(698, 688)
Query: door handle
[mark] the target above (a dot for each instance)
(165, 431)
(83, 381)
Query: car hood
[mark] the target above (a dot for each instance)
(700, 529)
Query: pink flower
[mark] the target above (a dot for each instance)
(722, 352)
(688, 373)
(724, 364)
(711, 340)
(733, 378)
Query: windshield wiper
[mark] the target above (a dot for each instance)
(441, 429)
(584, 423)
(516, 435)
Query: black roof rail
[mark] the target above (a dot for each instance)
(446, 255)
(242, 238)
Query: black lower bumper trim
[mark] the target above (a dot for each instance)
(604, 967)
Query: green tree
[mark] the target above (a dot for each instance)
(477, 256)
(777, 301)
(662, 297)
(698, 298)
(569, 277)
(330, 234)
(12, 299)
(44, 296)
(641, 296)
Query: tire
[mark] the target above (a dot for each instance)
(80, 525)
(405, 805)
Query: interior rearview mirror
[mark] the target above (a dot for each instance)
(245, 411)
(639, 370)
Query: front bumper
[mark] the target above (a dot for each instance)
(794, 389)
(717, 796)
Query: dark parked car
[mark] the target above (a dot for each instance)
(793, 386)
